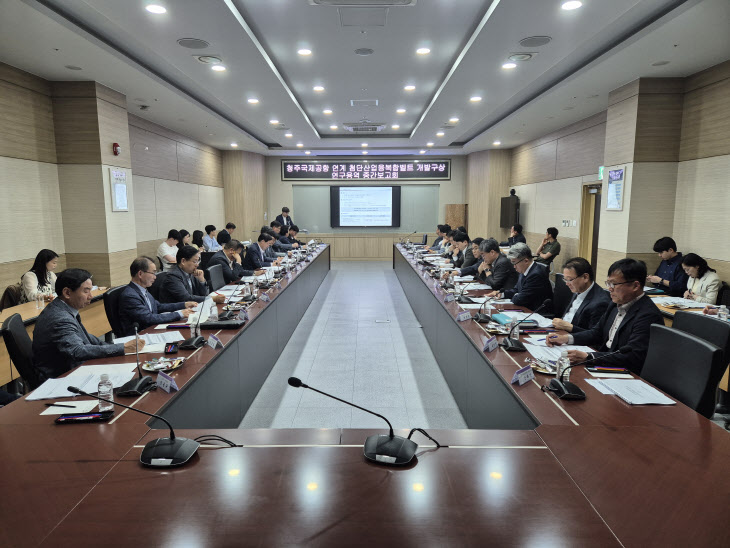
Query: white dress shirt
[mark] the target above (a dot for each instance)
(577, 302)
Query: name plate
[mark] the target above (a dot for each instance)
(449, 298)
(463, 316)
(243, 314)
(491, 344)
(523, 375)
(166, 382)
(288, 276)
(278, 285)
(214, 342)
(264, 297)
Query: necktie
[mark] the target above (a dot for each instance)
(83, 329)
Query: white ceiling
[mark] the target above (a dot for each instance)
(593, 50)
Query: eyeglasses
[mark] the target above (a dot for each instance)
(515, 263)
(150, 272)
(611, 285)
(571, 280)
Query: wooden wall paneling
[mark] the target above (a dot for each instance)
(162, 131)
(499, 175)
(701, 79)
(555, 201)
(74, 89)
(113, 128)
(29, 207)
(232, 164)
(245, 190)
(658, 127)
(26, 118)
(621, 131)
(82, 200)
(581, 153)
(145, 208)
(534, 165)
(212, 211)
(607, 257)
(149, 248)
(119, 266)
(653, 194)
(152, 155)
(197, 166)
(96, 263)
(77, 130)
(488, 179)
(456, 215)
(706, 121)
(624, 92)
(577, 127)
(110, 95)
(24, 79)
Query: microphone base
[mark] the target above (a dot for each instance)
(136, 387)
(513, 345)
(482, 318)
(566, 390)
(166, 452)
(447, 286)
(395, 451)
(464, 300)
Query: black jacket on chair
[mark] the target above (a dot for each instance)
(591, 309)
(531, 290)
(633, 331)
(175, 287)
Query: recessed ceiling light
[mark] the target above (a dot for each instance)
(300, 144)
(74, 67)
(289, 135)
(401, 111)
(318, 88)
(409, 87)
(234, 145)
(395, 126)
(333, 127)
(253, 101)
(327, 111)
(421, 152)
(423, 51)
(429, 144)
(454, 120)
(304, 52)
(155, 8)
(572, 5)
(364, 151)
(657, 64)
(440, 134)
(509, 65)
(307, 152)
(475, 99)
(274, 122)
(497, 143)
(364, 144)
(218, 68)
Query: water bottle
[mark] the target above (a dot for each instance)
(106, 391)
(722, 312)
(514, 329)
(563, 364)
(213, 314)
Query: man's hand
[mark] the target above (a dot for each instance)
(654, 279)
(710, 311)
(562, 324)
(130, 346)
(576, 356)
(186, 312)
(237, 258)
(493, 294)
(259, 272)
(191, 304)
(219, 299)
(199, 275)
(295, 245)
(483, 267)
(556, 340)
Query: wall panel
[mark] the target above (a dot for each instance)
(706, 122)
(26, 119)
(176, 203)
(145, 208)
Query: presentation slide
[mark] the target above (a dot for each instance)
(366, 206)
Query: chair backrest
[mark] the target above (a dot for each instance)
(685, 367)
(111, 307)
(561, 296)
(20, 350)
(159, 262)
(205, 258)
(707, 328)
(156, 287)
(11, 296)
(214, 275)
(425, 239)
(723, 296)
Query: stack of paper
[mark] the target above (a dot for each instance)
(85, 378)
(635, 392)
(551, 354)
(678, 302)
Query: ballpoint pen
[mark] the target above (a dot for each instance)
(60, 405)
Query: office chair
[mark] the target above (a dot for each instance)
(111, 307)
(215, 278)
(723, 296)
(685, 367)
(156, 287)
(425, 239)
(11, 296)
(20, 350)
(561, 296)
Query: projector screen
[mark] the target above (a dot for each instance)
(364, 206)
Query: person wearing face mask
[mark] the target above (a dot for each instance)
(589, 301)
(703, 283)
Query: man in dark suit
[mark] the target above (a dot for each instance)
(626, 324)
(291, 236)
(495, 270)
(230, 262)
(136, 305)
(185, 281)
(533, 285)
(589, 300)
(60, 341)
(255, 258)
(285, 219)
(464, 257)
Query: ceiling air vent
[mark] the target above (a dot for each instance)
(364, 126)
(363, 3)
(363, 102)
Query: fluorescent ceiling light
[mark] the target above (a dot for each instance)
(274, 122)
(509, 65)
(429, 144)
(333, 127)
(497, 143)
(253, 101)
(157, 9)
(318, 88)
(304, 52)
(307, 152)
(401, 111)
(440, 134)
(409, 87)
(454, 120)
(234, 145)
(300, 144)
(218, 68)
(423, 51)
(475, 99)
(395, 126)
(421, 152)
(572, 5)
(364, 144)
(327, 111)
(364, 151)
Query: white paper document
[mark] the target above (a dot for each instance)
(678, 301)
(636, 392)
(598, 385)
(154, 338)
(609, 375)
(467, 306)
(551, 354)
(80, 406)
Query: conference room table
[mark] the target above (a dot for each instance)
(587, 473)
(93, 316)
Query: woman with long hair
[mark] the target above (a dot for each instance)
(185, 238)
(198, 240)
(40, 278)
(703, 284)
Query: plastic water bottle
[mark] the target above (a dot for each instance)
(514, 329)
(213, 314)
(563, 364)
(722, 313)
(106, 391)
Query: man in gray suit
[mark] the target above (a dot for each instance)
(60, 341)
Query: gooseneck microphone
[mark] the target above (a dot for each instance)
(483, 318)
(162, 452)
(461, 298)
(566, 390)
(390, 449)
(514, 344)
(136, 386)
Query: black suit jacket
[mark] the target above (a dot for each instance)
(175, 287)
(465, 258)
(253, 260)
(531, 290)
(133, 308)
(591, 309)
(285, 222)
(633, 331)
(503, 275)
(230, 273)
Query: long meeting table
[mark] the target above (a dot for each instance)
(531, 470)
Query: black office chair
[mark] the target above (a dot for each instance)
(111, 307)
(561, 296)
(707, 328)
(11, 296)
(425, 239)
(723, 296)
(205, 258)
(20, 350)
(215, 278)
(685, 367)
(156, 287)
